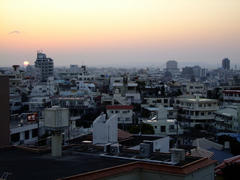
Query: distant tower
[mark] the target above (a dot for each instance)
(172, 67)
(45, 65)
(226, 64)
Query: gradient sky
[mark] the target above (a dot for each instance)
(120, 32)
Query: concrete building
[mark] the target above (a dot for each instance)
(231, 96)
(165, 127)
(124, 112)
(193, 88)
(226, 64)
(172, 67)
(4, 111)
(45, 65)
(197, 71)
(105, 130)
(197, 110)
(24, 133)
(228, 119)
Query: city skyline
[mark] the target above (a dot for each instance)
(121, 34)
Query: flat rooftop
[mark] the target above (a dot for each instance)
(27, 165)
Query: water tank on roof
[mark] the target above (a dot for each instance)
(56, 118)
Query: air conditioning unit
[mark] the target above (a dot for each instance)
(146, 148)
(177, 155)
(107, 148)
(115, 149)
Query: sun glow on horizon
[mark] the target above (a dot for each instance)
(26, 63)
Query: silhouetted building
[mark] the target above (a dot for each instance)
(45, 65)
(4, 111)
(196, 71)
(226, 64)
(172, 67)
(187, 72)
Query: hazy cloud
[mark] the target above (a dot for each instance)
(14, 32)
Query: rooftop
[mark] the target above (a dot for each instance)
(28, 165)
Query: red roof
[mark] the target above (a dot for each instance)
(119, 107)
(235, 159)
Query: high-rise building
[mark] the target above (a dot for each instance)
(197, 71)
(172, 67)
(45, 65)
(4, 110)
(226, 64)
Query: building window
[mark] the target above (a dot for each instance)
(163, 128)
(26, 134)
(127, 119)
(15, 137)
(34, 133)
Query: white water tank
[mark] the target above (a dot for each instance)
(56, 118)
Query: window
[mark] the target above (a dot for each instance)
(202, 113)
(171, 127)
(155, 127)
(34, 133)
(15, 137)
(163, 128)
(26, 134)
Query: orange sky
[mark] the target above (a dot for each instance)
(102, 25)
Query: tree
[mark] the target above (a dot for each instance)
(144, 128)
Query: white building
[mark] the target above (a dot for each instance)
(124, 112)
(162, 125)
(228, 119)
(197, 110)
(165, 127)
(105, 130)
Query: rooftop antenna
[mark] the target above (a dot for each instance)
(39, 51)
(83, 63)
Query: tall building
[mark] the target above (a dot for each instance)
(197, 71)
(4, 110)
(45, 65)
(226, 64)
(172, 67)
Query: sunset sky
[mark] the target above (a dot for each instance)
(120, 32)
